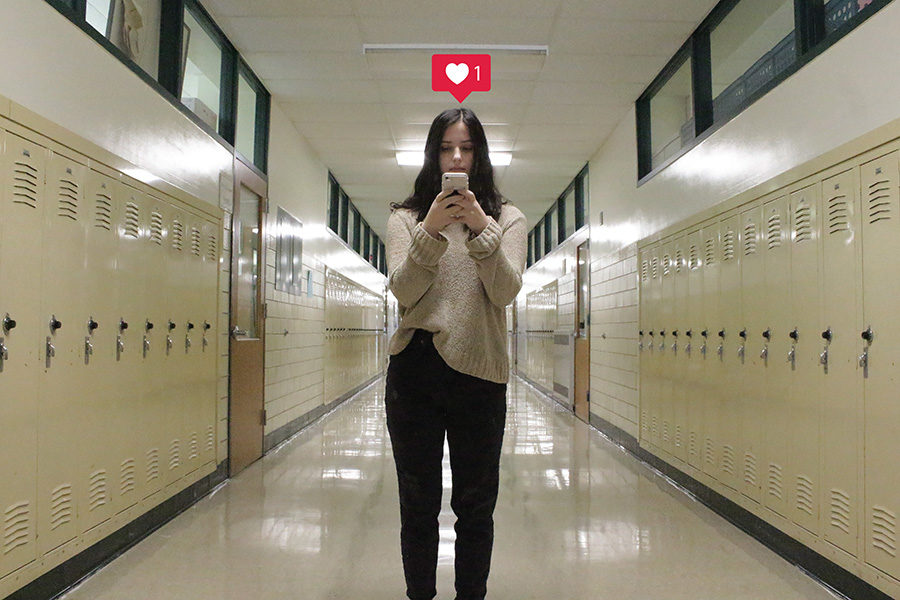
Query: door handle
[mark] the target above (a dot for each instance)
(236, 331)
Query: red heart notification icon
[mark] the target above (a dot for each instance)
(461, 74)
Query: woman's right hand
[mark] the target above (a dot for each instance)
(443, 211)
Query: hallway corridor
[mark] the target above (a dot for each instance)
(577, 518)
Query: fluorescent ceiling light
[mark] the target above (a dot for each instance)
(463, 48)
(416, 159)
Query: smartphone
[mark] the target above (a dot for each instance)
(454, 181)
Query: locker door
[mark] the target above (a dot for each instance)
(693, 356)
(730, 362)
(881, 288)
(65, 325)
(22, 201)
(152, 331)
(806, 383)
(192, 410)
(752, 383)
(842, 394)
(664, 357)
(678, 371)
(650, 396)
(209, 311)
(777, 260)
(177, 287)
(643, 342)
(133, 423)
(712, 364)
(99, 401)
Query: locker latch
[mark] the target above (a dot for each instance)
(641, 340)
(651, 342)
(4, 354)
(740, 352)
(675, 343)
(662, 344)
(120, 347)
(704, 333)
(88, 349)
(146, 346)
(868, 335)
(687, 349)
(8, 324)
(721, 349)
(823, 358)
(51, 350)
(206, 327)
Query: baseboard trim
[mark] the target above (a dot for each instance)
(61, 578)
(816, 565)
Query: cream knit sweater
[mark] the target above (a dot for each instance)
(458, 288)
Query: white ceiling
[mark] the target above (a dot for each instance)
(552, 112)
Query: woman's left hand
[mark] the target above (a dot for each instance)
(471, 214)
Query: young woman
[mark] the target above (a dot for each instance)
(455, 261)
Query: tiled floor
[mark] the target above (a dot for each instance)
(577, 519)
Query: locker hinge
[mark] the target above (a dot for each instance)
(265, 310)
(263, 417)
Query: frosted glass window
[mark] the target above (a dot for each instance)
(245, 137)
(749, 48)
(672, 116)
(202, 74)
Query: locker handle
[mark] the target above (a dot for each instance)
(662, 332)
(765, 353)
(689, 332)
(123, 324)
(206, 325)
(826, 335)
(868, 335)
(675, 333)
(704, 333)
(722, 333)
(743, 334)
(55, 324)
(651, 333)
(92, 325)
(171, 325)
(767, 334)
(8, 324)
(794, 335)
(641, 332)
(149, 325)
(190, 325)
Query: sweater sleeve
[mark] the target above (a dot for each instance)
(412, 259)
(500, 254)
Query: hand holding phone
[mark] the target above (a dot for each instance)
(454, 181)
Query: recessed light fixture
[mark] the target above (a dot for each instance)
(542, 50)
(416, 159)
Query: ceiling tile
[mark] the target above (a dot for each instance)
(332, 112)
(444, 15)
(637, 38)
(399, 28)
(308, 65)
(318, 90)
(692, 11)
(300, 34)
(603, 68)
(278, 8)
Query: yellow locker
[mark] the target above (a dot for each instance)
(65, 315)
(131, 423)
(151, 332)
(751, 384)
(98, 397)
(777, 259)
(643, 340)
(650, 401)
(678, 339)
(664, 384)
(192, 400)
(712, 348)
(209, 310)
(842, 394)
(177, 290)
(693, 343)
(804, 414)
(21, 328)
(879, 358)
(730, 352)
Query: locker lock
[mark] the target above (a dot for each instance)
(55, 324)
(722, 333)
(190, 325)
(148, 325)
(767, 334)
(651, 333)
(795, 335)
(206, 325)
(826, 335)
(868, 335)
(123, 324)
(689, 332)
(662, 332)
(675, 333)
(92, 325)
(8, 323)
(743, 334)
(171, 325)
(704, 333)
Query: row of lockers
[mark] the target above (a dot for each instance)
(355, 335)
(108, 301)
(769, 353)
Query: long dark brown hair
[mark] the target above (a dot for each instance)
(481, 175)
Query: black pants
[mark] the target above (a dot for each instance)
(424, 400)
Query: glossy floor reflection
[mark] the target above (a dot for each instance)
(577, 518)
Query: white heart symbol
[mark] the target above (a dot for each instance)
(457, 73)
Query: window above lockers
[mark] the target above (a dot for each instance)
(346, 222)
(176, 47)
(566, 215)
(742, 50)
